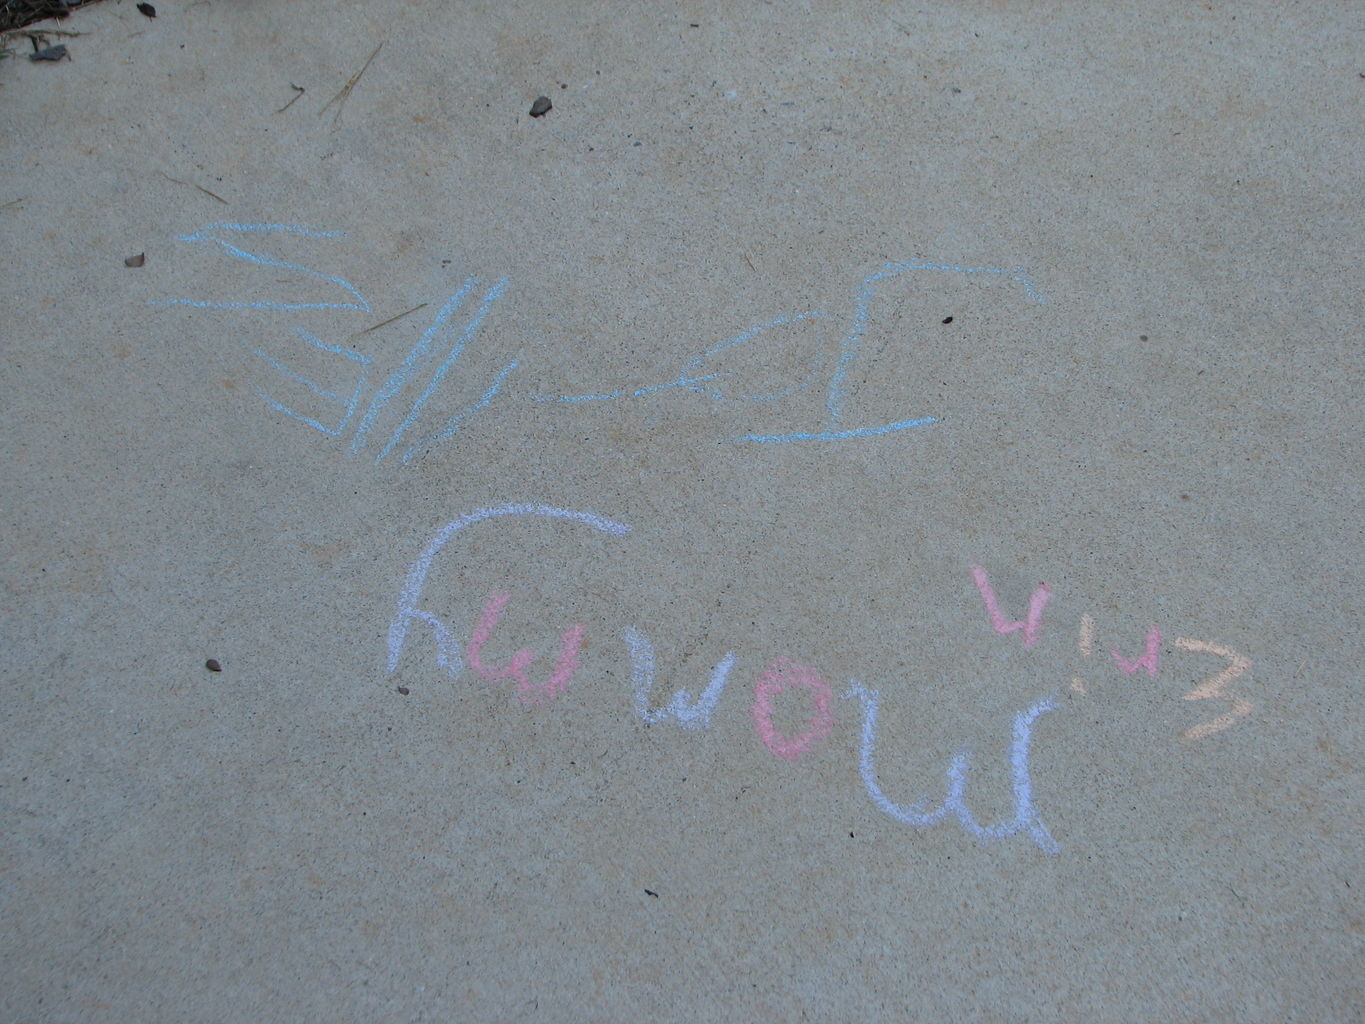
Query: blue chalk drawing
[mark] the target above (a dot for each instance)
(400, 376)
(862, 300)
(453, 424)
(691, 378)
(439, 376)
(351, 403)
(839, 435)
(351, 399)
(698, 376)
(262, 259)
(852, 344)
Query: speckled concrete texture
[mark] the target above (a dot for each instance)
(851, 514)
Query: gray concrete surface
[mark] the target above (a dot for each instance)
(959, 401)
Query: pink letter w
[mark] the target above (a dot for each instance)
(1041, 595)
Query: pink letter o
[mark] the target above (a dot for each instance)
(778, 676)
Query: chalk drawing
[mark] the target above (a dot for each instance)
(1030, 625)
(1085, 643)
(784, 674)
(453, 424)
(716, 385)
(447, 649)
(862, 301)
(350, 402)
(691, 378)
(1149, 660)
(801, 383)
(1026, 817)
(839, 435)
(531, 694)
(837, 387)
(1215, 687)
(690, 714)
(400, 376)
(265, 260)
(393, 384)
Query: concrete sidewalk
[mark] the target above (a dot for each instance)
(850, 514)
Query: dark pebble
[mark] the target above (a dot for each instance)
(403, 690)
(947, 319)
(147, 9)
(135, 261)
(213, 666)
(541, 106)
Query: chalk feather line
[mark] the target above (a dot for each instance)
(351, 403)
(261, 259)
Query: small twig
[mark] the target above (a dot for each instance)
(298, 91)
(39, 35)
(201, 188)
(345, 93)
(13, 202)
(396, 316)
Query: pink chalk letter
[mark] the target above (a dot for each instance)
(1151, 657)
(780, 675)
(1042, 594)
(531, 694)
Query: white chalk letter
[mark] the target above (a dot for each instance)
(1026, 816)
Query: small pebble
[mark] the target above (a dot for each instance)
(213, 666)
(947, 319)
(135, 261)
(403, 690)
(541, 106)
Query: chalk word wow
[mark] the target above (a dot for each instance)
(332, 409)
(781, 675)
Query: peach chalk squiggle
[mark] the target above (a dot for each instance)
(1215, 687)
